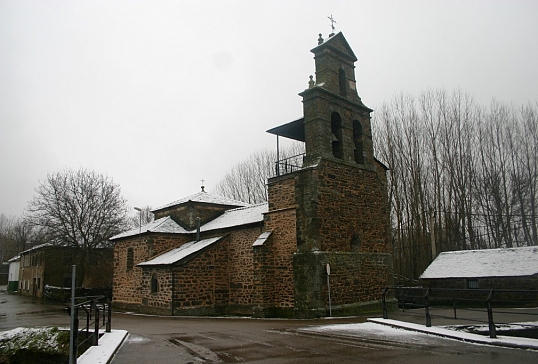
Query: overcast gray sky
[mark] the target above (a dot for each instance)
(161, 94)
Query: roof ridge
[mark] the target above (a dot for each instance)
(247, 207)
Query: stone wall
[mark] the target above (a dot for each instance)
(127, 290)
(356, 282)
(241, 269)
(273, 269)
(343, 220)
(345, 210)
(200, 285)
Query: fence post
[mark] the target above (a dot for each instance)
(454, 303)
(109, 315)
(74, 349)
(492, 331)
(73, 320)
(428, 317)
(96, 324)
(385, 312)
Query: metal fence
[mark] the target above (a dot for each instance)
(95, 313)
(289, 165)
(477, 300)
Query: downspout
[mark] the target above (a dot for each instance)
(172, 296)
(197, 229)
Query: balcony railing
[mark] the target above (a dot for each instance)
(289, 165)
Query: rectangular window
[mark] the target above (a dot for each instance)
(130, 258)
(472, 283)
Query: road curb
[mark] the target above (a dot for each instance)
(109, 344)
(503, 341)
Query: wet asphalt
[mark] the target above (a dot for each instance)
(192, 340)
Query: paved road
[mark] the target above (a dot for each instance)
(214, 340)
(166, 340)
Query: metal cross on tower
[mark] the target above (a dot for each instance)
(333, 22)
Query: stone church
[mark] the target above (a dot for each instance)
(319, 246)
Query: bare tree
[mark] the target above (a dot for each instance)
(247, 180)
(143, 216)
(472, 171)
(80, 209)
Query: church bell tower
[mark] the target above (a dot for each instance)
(336, 122)
(337, 197)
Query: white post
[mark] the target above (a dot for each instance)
(72, 358)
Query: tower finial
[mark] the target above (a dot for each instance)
(203, 187)
(333, 22)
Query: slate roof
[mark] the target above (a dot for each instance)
(163, 225)
(230, 218)
(508, 262)
(237, 217)
(175, 255)
(204, 197)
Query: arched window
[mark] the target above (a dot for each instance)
(342, 82)
(357, 140)
(130, 258)
(154, 283)
(336, 130)
(355, 242)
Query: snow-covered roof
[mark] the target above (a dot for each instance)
(204, 197)
(508, 262)
(262, 238)
(40, 246)
(237, 217)
(14, 259)
(234, 217)
(163, 225)
(177, 254)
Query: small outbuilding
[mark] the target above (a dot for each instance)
(13, 275)
(507, 268)
(51, 265)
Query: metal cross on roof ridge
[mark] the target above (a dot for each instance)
(333, 22)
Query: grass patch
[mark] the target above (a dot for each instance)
(34, 345)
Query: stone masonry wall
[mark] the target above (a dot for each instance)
(273, 261)
(356, 281)
(126, 289)
(241, 268)
(200, 284)
(157, 302)
(346, 210)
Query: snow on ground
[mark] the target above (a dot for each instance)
(371, 331)
(44, 338)
(507, 341)
(109, 343)
(408, 333)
